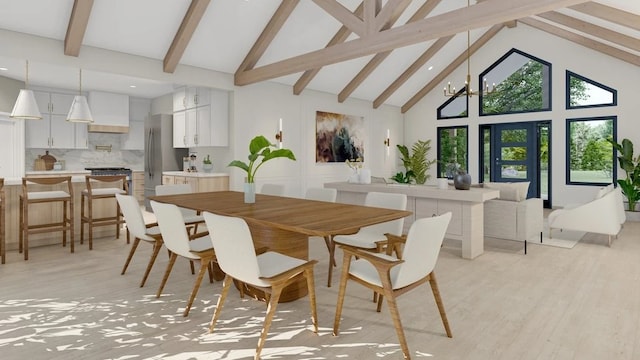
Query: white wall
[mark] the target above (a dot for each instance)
(420, 120)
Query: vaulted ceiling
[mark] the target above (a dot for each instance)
(387, 52)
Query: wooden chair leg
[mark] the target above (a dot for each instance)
(118, 221)
(133, 250)
(204, 265)
(71, 226)
(395, 316)
(346, 263)
(156, 250)
(82, 218)
(276, 290)
(226, 285)
(436, 295)
(172, 260)
(308, 273)
(21, 225)
(332, 261)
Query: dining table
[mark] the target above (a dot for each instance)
(284, 224)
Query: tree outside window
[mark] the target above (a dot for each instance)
(590, 157)
(452, 150)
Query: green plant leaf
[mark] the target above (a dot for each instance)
(240, 164)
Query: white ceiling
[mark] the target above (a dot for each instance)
(223, 38)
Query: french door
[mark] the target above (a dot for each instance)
(514, 152)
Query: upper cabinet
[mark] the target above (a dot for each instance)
(110, 112)
(53, 131)
(200, 117)
(139, 110)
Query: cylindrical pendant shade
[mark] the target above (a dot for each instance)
(79, 111)
(26, 106)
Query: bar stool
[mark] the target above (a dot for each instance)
(41, 197)
(2, 231)
(91, 194)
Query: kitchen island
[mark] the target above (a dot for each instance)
(466, 206)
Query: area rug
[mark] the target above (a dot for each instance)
(560, 238)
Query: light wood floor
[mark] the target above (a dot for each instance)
(582, 303)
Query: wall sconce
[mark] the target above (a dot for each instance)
(279, 134)
(387, 142)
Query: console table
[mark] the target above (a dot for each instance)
(466, 206)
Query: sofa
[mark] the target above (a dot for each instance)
(512, 216)
(602, 215)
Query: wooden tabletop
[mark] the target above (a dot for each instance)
(303, 216)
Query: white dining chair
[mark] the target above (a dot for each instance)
(329, 195)
(191, 217)
(372, 238)
(270, 271)
(136, 227)
(391, 277)
(177, 240)
(272, 189)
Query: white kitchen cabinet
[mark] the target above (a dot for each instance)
(202, 125)
(197, 96)
(53, 132)
(179, 99)
(139, 109)
(82, 136)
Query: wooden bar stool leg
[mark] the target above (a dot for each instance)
(21, 226)
(25, 225)
(71, 226)
(82, 217)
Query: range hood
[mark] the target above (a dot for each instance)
(110, 112)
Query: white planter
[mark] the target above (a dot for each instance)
(632, 215)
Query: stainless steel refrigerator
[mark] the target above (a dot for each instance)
(159, 153)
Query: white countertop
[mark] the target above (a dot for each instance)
(76, 175)
(475, 194)
(193, 174)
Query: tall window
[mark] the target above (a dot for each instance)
(522, 84)
(452, 150)
(590, 157)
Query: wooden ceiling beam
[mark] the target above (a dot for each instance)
(582, 40)
(77, 26)
(483, 14)
(188, 26)
(340, 37)
(268, 34)
(364, 73)
(411, 70)
(371, 10)
(593, 30)
(609, 13)
(343, 15)
(451, 67)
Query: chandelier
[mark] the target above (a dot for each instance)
(468, 91)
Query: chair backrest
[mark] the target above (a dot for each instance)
(132, 215)
(172, 228)
(176, 189)
(233, 245)
(272, 189)
(322, 194)
(120, 179)
(421, 250)
(388, 201)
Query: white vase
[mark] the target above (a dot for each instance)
(364, 176)
(249, 193)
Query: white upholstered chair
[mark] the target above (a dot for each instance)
(372, 237)
(191, 217)
(269, 271)
(136, 227)
(272, 189)
(328, 195)
(391, 277)
(177, 240)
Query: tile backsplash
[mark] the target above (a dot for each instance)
(78, 159)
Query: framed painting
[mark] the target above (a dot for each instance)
(339, 137)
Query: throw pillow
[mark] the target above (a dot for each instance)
(516, 191)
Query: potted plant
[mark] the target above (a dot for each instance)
(416, 165)
(207, 166)
(630, 186)
(260, 151)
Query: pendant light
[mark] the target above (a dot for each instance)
(26, 106)
(79, 111)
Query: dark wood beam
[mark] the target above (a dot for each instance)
(483, 14)
(183, 36)
(77, 26)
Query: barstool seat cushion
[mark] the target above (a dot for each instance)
(104, 191)
(200, 244)
(39, 195)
